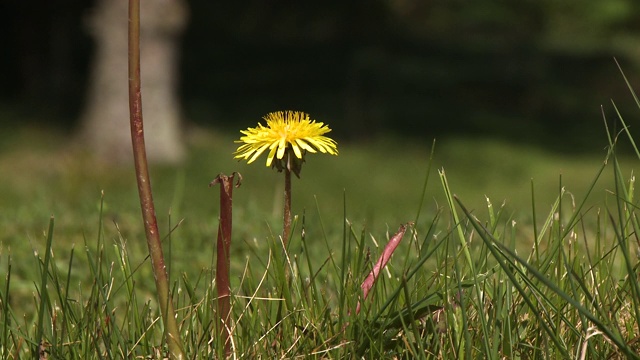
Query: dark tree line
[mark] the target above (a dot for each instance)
(419, 67)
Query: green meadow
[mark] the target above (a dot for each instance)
(376, 185)
(449, 290)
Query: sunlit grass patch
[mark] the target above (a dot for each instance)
(529, 261)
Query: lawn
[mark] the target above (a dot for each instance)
(376, 185)
(379, 183)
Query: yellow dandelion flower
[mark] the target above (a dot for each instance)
(285, 131)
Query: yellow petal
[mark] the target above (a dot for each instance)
(257, 153)
(282, 146)
(270, 156)
(305, 146)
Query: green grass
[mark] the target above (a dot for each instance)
(543, 276)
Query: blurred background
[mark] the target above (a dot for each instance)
(532, 71)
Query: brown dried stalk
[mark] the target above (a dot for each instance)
(223, 262)
(144, 186)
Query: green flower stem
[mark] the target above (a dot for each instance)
(287, 207)
(223, 261)
(144, 186)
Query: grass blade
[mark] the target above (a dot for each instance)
(44, 297)
(494, 246)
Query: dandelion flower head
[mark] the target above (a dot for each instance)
(284, 132)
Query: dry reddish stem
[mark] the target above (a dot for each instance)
(393, 243)
(144, 186)
(223, 260)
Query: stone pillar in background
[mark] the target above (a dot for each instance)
(105, 127)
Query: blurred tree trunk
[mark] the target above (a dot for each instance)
(105, 123)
